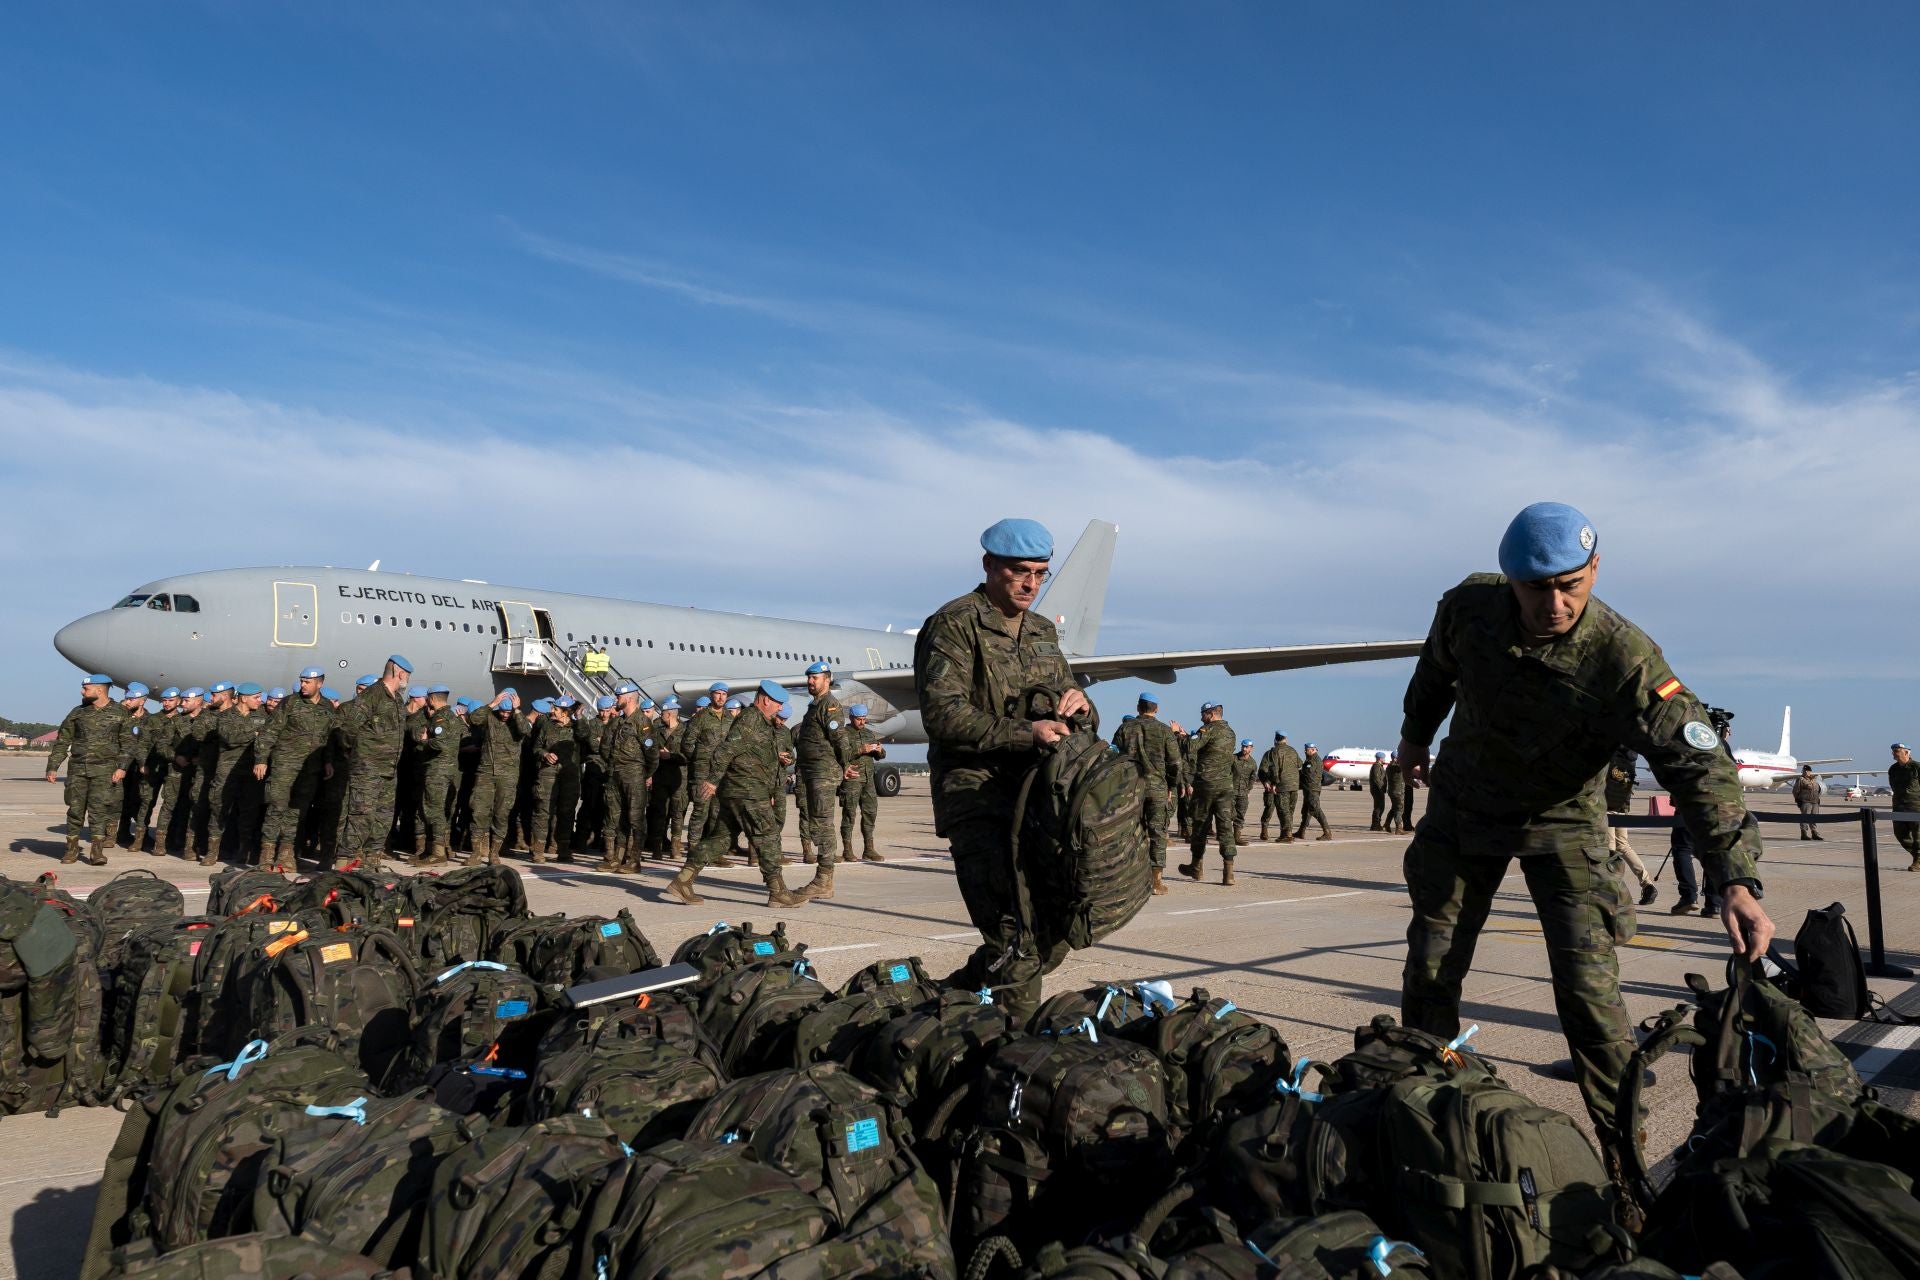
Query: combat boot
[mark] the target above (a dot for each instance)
(1159, 885)
(1191, 870)
(435, 856)
(279, 855)
(680, 888)
(489, 851)
(1286, 837)
(543, 852)
(73, 851)
(1324, 834)
(1264, 837)
(97, 855)
(778, 895)
(807, 855)
(1239, 835)
(1226, 872)
(210, 855)
(871, 854)
(821, 886)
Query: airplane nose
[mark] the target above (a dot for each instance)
(83, 642)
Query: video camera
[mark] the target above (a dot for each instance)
(1721, 719)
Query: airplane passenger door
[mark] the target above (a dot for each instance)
(873, 659)
(296, 615)
(517, 621)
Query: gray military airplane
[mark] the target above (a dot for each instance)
(268, 624)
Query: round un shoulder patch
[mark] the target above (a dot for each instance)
(646, 742)
(833, 724)
(1699, 733)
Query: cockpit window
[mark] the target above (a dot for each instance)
(131, 602)
(185, 604)
(160, 602)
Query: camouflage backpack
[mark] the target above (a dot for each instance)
(478, 1009)
(359, 1179)
(152, 1011)
(1079, 842)
(516, 943)
(869, 1000)
(924, 1056)
(1221, 1063)
(695, 1209)
(726, 947)
(566, 951)
(52, 1002)
(1053, 1138)
(752, 1012)
(359, 982)
(254, 1256)
(128, 901)
(235, 888)
(231, 951)
(644, 1070)
(457, 914)
(1105, 1006)
(521, 1202)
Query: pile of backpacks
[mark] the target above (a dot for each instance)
(370, 1075)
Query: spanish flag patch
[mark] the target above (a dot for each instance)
(1667, 688)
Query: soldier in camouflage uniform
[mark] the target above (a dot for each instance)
(1212, 787)
(1903, 779)
(742, 774)
(1244, 766)
(136, 794)
(1377, 789)
(174, 827)
(233, 802)
(162, 731)
(367, 738)
(1544, 683)
(974, 661)
(97, 738)
(497, 730)
(704, 732)
(590, 828)
(558, 748)
(406, 833)
(1280, 786)
(667, 797)
(1312, 775)
(327, 825)
(1183, 798)
(825, 761)
(1396, 794)
(857, 794)
(437, 734)
(207, 790)
(629, 753)
(1155, 752)
(783, 783)
(291, 755)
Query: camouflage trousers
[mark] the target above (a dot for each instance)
(1310, 811)
(369, 818)
(1585, 911)
(1153, 813)
(698, 814)
(1908, 834)
(733, 818)
(173, 826)
(292, 788)
(1211, 810)
(1009, 960)
(626, 797)
(138, 794)
(666, 809)
(230, 800)
(823, 791)
(1381, 813)
(858, 799)
(439, 788)
(92, 794)
(1278, 804)
(492, 803)
(556, 794)
(1240, 810)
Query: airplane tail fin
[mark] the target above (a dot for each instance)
(1786, 733)
(1078, 592)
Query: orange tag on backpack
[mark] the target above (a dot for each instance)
(284, 941)
(334, 952)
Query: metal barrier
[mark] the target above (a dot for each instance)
(1877, 963)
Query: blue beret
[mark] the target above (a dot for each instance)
(718, 686)
(1545, 539)
(605, 702)
(543, 705)
(96, 678)
(249, 690)
(400, 662)
(1246, 742)
(195, 692)
(1277, 735)
(858, 709)
(1901, 746)
(313, 673)
(276, 692)
(364, 681)
(564, 701)
(625, 687)
(1309, 746)
(671, 704)
(508, 701)
(171, 691)
(704, 702)
(819, 668)
(733, 704)
(1124, 719)
(416, 691)
(1379, 755)
(785, 710)
(329, 693)
(1209, 706)
(1017, 539)
(136, 690)
(774, 691)
(1149, 699)
(438, 688)
(221, 686)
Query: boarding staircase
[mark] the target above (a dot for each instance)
(535, 655)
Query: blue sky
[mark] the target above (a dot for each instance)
(773, 308)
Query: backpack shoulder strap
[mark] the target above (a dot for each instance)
(1669, 1029)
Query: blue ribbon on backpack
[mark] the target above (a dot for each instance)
(355, 1111)
(464, 965)
(1460, 1042)
(1225, 1009)
(251, 1052)
(985, 994)
(1293, 1085)
(718, 926)
(1754, 1041)
(1381, 1247)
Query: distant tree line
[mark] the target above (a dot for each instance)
(25, 728)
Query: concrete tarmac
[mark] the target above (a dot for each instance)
(1311, 938)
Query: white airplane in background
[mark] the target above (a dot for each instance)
(1350, 764)
(1760, 770)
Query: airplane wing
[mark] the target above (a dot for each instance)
(895, 684)
(1830, 760)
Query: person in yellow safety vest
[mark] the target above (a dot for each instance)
(596, 663)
